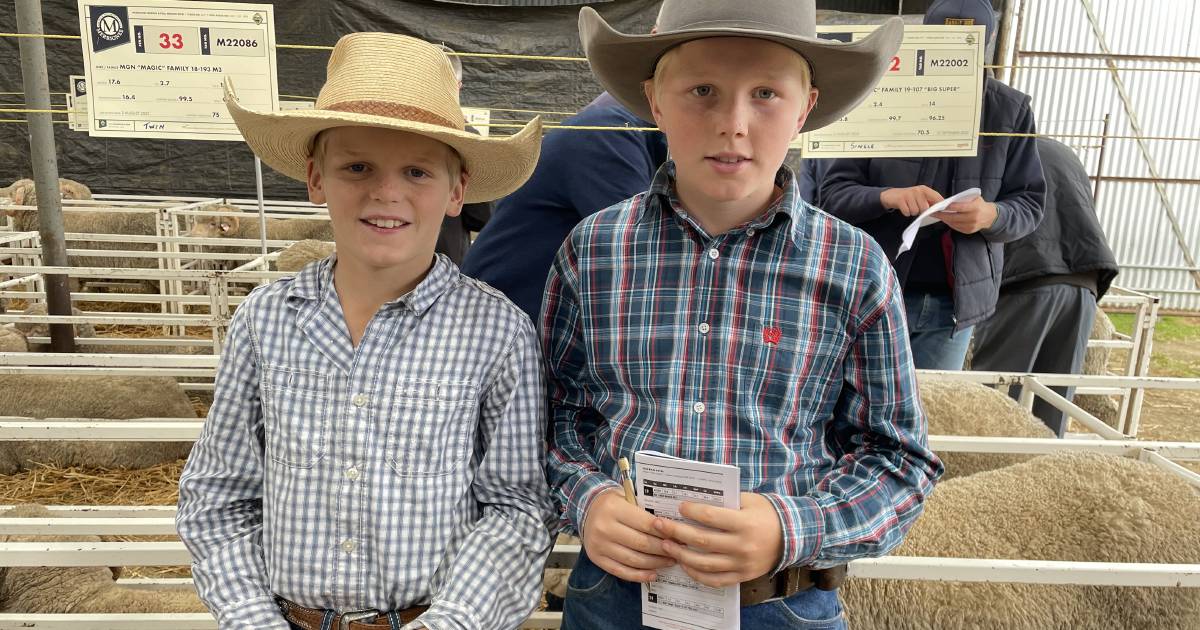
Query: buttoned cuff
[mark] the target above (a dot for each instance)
(586, 490)
(445, 615)
(803, 522)
(253, 613)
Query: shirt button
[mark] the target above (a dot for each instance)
(714, 254)
(698, 407)
(349, 545)
(360, 400)
(352, 473)
(750, 232)
(704, 328)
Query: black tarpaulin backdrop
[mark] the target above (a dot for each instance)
(187, 167)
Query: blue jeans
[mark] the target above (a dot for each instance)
(598, 601)
(935, 345)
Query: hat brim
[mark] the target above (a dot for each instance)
(845, 73)
(497, 165)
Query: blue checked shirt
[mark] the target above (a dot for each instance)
(779, 347)
(407, 470)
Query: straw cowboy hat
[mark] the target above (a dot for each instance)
(845, 73)
(390, 82)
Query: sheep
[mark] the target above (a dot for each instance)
(80, 590)
(23, 192)
(1095, 362)
(299, 254)
(13, 340)
(43, 330)
(102, 397)
(132, 223)
(964, 408)
(226, 226)
(16, 192)
(1066, 507)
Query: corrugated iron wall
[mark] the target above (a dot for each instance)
(1163, 94)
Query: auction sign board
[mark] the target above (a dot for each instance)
(927, 104)
(478, 118)
(155, 68)
(77, 118)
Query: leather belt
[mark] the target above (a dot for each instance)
(314, 618)
(791, 581)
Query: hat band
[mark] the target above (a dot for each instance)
(392, 110)
(741, 24)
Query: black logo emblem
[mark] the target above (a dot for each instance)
(110, 27)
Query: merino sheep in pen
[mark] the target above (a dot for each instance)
(78, 590)
(971, 409)
(1067, 507)
(297, 255)
(100, 222)
(43, 330)
(103, 397)
(226, 226)
(23, 192)
(13, 340)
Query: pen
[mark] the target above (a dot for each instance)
(626, 482)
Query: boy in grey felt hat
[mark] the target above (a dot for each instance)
(719, 317)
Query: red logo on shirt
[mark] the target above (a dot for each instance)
(772, 334)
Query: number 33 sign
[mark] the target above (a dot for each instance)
(170, 40)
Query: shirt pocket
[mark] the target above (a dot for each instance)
(788, 374)
(429, 426)
(296, 409)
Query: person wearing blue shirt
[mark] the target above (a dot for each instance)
(580, 173)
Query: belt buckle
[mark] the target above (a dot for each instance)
(348, 618)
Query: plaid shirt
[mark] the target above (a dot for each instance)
(779, 347)
(407, 470)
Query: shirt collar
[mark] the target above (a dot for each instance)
(315, 283)
(662, 196)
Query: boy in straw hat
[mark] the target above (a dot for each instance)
(373, 455)
(718, 317)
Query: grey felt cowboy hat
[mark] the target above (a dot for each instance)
(390, 82)
(845, 73)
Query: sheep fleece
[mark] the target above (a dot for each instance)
(963, 408)
(301, 253)
(1071, 507)
(105, 397)
(79, 590)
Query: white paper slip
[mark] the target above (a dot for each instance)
(675, 601)
(929, 217)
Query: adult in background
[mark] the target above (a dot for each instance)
(809, 176)
(951, 277)
(455, 238)
(1052, 281)
(579, 173)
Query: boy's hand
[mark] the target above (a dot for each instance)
(620, 538)
(969, 217)
(747, 544)
(910, 201)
